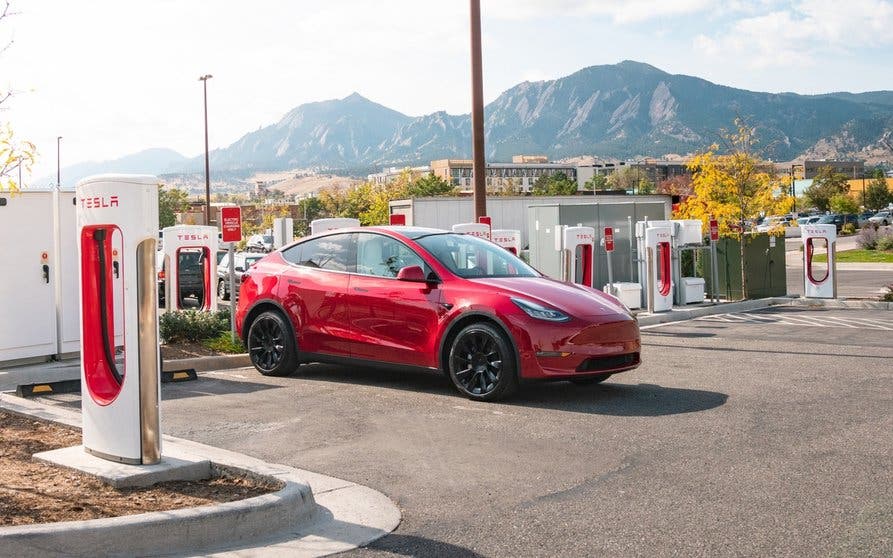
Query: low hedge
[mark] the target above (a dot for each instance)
(192, 325)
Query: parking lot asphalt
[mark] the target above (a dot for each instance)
(766, 433)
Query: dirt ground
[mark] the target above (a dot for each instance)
(33, 492)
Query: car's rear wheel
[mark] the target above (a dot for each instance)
(221, 290)
(589, 380)
(271, 346)
(481, 363)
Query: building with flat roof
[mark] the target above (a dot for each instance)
(810, 169)
(390, 174)
(517, 178)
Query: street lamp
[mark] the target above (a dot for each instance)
(58, 167)
(204, 79)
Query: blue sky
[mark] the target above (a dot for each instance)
(114, 77)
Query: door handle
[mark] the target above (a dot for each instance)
(46, 273)
(294, 282)
(361, 290)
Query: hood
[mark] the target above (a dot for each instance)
(575, 300)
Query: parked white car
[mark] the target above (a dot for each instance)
(882, 218)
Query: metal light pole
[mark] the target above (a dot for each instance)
(204, 79)
(478, 169)
(58, 167)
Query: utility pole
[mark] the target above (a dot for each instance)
(58, 166)
(479, 168)
(204, 79)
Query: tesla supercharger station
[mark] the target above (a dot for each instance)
(577, 248)
(117, 223)
(283, 231)
(655, 240)
(322, 225)
(507, 238)
(820, 280)
(480, 230)
(179, 240)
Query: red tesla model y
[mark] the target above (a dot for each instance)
(431, 299)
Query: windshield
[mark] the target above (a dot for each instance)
(470, 257)
(268, 239)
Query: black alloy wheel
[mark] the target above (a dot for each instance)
(222, 293)
(481, 363)
(271, 345)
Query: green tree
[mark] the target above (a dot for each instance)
(430, 185)
(597, 182)
(557, 184)
(631, 179)
(826, 184)
(877, 194)
(170, 202)
(843, 203)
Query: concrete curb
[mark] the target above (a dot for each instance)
(207, 363)
(313, 517)
(680, 314)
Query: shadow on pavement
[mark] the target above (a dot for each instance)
(601, 399)
(622, 400)
(210, 386)
(410, 545)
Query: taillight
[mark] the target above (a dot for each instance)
(161, 275)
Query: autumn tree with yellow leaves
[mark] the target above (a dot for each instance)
(736, 186)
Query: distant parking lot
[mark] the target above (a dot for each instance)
(764, 433)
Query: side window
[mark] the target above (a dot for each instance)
(331, 252)
(383, 256)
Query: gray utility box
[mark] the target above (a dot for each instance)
(542, 221)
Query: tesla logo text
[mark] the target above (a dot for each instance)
(584, 237)
(100, 201)
(192, 237)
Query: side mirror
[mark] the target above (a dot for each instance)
(412, 273)
(239, 268)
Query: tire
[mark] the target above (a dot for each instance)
(272, 347)
(481, 363)
(222, 293)
(590, 380)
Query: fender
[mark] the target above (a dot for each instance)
(264, 302)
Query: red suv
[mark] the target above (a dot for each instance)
(430, 299)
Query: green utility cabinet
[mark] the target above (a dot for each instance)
(764, 262)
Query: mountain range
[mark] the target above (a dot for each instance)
(623, 111)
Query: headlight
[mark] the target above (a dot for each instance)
(540, 312)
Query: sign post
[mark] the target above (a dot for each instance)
(231, 217)
(609, 247)
(714, 275)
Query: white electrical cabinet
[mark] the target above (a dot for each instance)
(67, 285)
(28, 263)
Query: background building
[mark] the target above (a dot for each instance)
(508, 177)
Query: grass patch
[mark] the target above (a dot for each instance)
(859, 256)
(223, 343)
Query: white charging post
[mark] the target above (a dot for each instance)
(655, 240)
(480, 230)
(179, 240)
(117, 223)
(577, 247)
(283, 232)
(322, 225)
(509, 239)
(820, 278)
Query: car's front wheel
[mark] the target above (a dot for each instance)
(221, 290)
(272, 347)
(481, 363)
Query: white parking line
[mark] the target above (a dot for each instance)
(800, 320)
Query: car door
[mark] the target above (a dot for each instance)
(392, 320)
(314, 290)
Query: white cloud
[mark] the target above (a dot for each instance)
(802, 33)
(619, 11)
